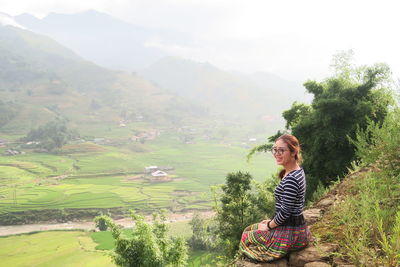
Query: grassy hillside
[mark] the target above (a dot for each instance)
(366, 224)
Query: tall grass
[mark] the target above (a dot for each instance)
(369, 216)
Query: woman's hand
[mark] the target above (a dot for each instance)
(263, 226)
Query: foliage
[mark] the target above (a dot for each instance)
(148, 244)
(101, 222)
(374, 148)
(204, 233)
(51, 136)
(368, 218)
(390, 241)
(341, 105)
(237, 207)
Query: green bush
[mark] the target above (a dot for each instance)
(148, 244)
(239, 205)
(101, 222)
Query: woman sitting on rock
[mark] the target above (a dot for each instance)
(286, 231)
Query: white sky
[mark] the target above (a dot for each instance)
(292, 38)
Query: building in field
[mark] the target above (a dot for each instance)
(150, 169)
(159, 174)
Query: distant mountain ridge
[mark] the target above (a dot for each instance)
(114, 43)
(257, 95)
(99, 38)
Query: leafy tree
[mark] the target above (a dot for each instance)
(101, 222)
(51, 136)
(148, 246)
(341, 105)
(238, 207)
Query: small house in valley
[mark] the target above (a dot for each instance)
(159, 174)
(150, 169)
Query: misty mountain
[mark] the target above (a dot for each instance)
(260, 95)
(27, 57)
(111, 42)
(101, 38)
(40, 80)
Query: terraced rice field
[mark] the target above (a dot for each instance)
(92, 176)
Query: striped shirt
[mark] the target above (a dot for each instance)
(290, 196)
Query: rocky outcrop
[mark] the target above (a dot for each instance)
(312, 215)
(311, 254)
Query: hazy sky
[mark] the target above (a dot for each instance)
(294, 39)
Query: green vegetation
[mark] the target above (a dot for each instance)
(348, 119)
(237, 207)
(50, 137)
(367, 222)
(101, 222)
(106, 241)
(203, 234)
(201, 258)
(55, 248)
(197, 257)
(74, 248)
(147, 245)
(341, 105)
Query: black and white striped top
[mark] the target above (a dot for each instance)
(290, 196)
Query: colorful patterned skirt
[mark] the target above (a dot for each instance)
(274, 244)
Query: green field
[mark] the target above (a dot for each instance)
(56, 248)
(88, 175)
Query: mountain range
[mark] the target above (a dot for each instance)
(51, 58)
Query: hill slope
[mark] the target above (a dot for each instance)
(44, 80)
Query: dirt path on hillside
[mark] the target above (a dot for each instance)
(89, 225)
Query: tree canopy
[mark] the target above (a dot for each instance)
(51, 136)
(342, 104)
(238, 206)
